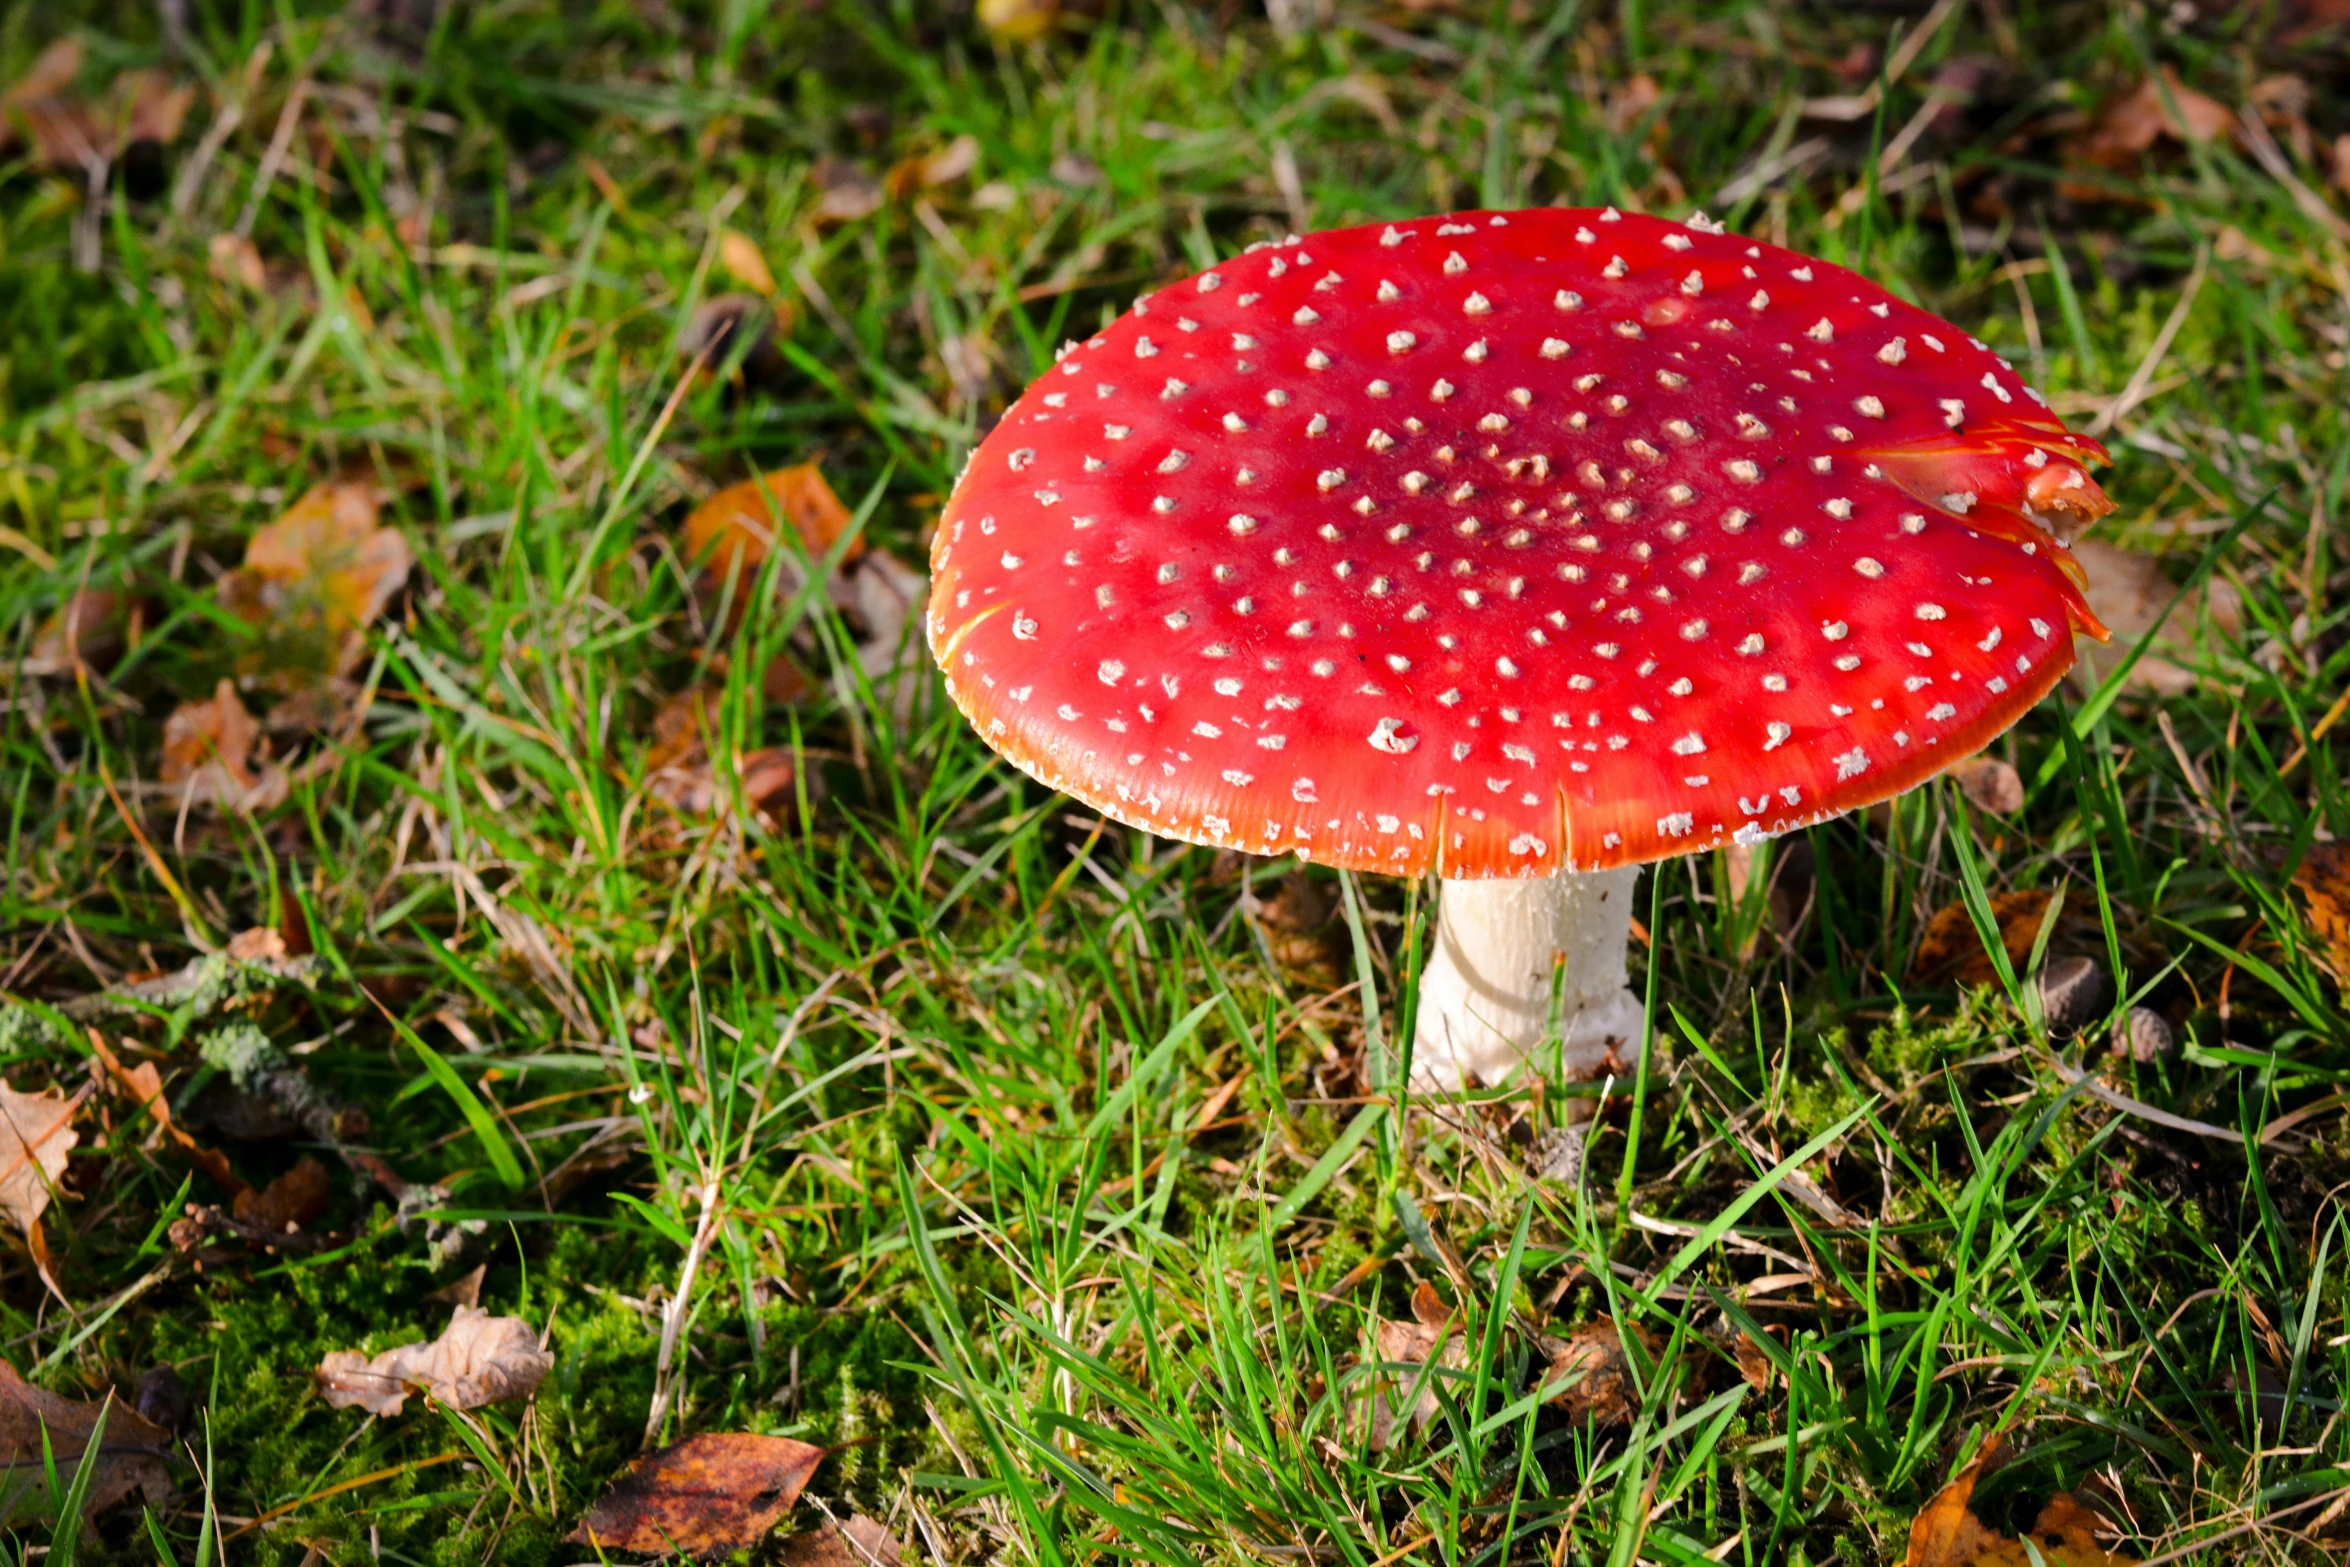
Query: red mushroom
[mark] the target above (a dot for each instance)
(1521, 547)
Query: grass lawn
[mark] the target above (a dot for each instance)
(800, 1068)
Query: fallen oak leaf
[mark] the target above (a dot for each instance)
(705, 1496)
(38, 1427)
(479, 1359)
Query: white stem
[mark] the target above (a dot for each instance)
(1485, 996)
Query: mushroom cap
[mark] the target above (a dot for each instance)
(1510, 543)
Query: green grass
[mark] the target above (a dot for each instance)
(923, 1061)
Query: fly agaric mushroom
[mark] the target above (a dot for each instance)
(1519, 547)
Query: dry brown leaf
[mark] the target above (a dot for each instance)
(732, 532)
(479, 1360)
(1950, 948)
(463, 1290)
(133, 1456)
(2342, 162)
(287, 1204)
(860, 1542)
(2127, 128)
(1753, 1365)
(2130, 593)
(703, 1497)
(314, 580)
(1948, 1534)
(142, 1085)
(36, 1134)
(87, 629)
(924, 171)
(1405, 1348)
(717, 322)
(1990, 784)
(236, 260)
(1597, 1376)
(678, 769)
(208, 755)
(845, 192)
(71, 131)
(2324, 880)
(739, 254)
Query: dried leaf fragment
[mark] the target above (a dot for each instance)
(845, 192)
(286, 1204)
(705, 1496)
(861, 1542)
(133, 1454)
(678, 767)
(1592, 1376)
(236, 260)
(314, 580)
(2127, 128)
(208, 755)
(1951, 949)
(2324, 882)
(1990, 784)
(479, 1360)
(733, 532)
(36, 1135)
(2130, 593)
(1948, 1534)
(739, 254)
(86, 630)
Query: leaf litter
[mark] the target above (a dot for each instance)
(1949, 1534)
(313, 581)
(704, 1496)
(479, 1359)
(134, 1453)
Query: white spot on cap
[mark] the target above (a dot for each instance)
(1852, 763)
(1400, 342)
(1677, 825)
(1778, 735)
(1387, 737)
(1476, 305)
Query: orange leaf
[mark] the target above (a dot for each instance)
(1948, 1534)
(739, 254)
(2324, 880)
(208, 754)
(733, 530)
(1951, 949)
(706, 1496)
(314, 580)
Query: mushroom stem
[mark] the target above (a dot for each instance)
(1485, 996)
